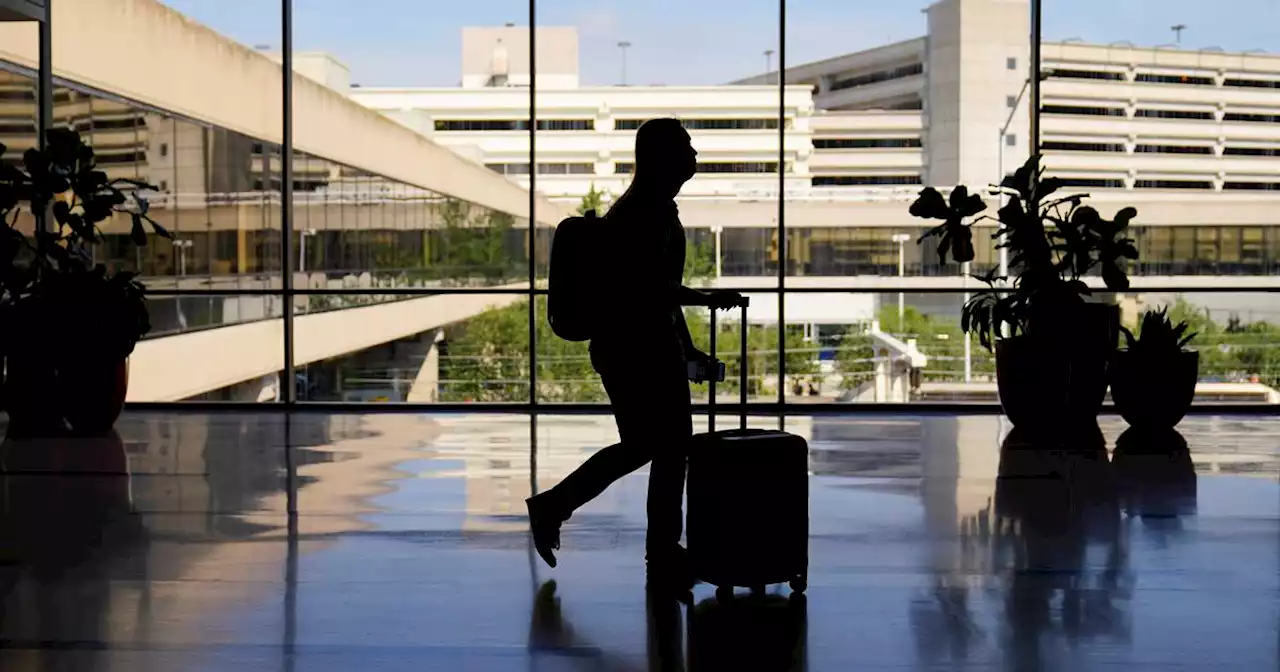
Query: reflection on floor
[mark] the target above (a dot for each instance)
(397, 542)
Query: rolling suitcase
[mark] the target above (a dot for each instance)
(748, 500)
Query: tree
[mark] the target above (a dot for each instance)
(855, 357)
(473, 242)
(940, 340)
(594, 200)
(762, 350)
(487, 360)
(699, 261)
(1237, 352)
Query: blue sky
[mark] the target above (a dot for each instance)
(416, 42)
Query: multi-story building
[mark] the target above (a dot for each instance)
(1184, 136)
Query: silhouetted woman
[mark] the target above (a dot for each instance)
(641, 353)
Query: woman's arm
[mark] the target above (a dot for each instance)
(688, 296)
(691, 351)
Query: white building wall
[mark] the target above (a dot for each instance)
(965, 89)
(604, 147)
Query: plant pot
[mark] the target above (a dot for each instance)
(93, 393)
(1029, 379)
(1086, 335)
(31, 396)
(1154, 393)
(1055, 376)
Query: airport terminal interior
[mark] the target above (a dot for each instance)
(348, 383)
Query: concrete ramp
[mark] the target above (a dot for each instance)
(176, 367)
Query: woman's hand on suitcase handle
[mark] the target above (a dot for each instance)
(724, 299)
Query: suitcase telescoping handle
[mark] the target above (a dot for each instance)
(742, 369)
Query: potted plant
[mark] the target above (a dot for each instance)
(1052, 339)
(1153, 380)
(71, 324)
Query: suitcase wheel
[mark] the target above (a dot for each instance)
(800, 583)
(724, 593)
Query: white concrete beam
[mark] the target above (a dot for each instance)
(206, 76)
(181, 366)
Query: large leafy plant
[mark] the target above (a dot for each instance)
(1053, 242)
(49, 281)
(1158, 337)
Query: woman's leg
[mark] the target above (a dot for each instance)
(636, 410)
(650, 402)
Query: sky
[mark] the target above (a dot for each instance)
(417, 42)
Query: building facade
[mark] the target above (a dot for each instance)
(1187, 137)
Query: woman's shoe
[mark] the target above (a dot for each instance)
(545, 527)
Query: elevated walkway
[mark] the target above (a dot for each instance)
(176, 367)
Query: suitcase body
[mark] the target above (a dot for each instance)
(748, 503)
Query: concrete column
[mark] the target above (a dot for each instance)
(968, 54)
(884, 364)
(426, 385)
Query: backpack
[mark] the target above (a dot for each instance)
(575, 277)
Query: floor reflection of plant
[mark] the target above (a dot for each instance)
(1048, 554)
(1055, 508)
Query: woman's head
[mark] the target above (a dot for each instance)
(664, 153)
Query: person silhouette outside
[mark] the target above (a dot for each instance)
(641, 349)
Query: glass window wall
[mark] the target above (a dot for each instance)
(418, 205)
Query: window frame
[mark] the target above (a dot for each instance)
(365, 191)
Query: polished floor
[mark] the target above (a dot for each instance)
(172, 547)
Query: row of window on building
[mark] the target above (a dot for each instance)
(898, 180)
(1161, 78)
(1167, 183)
(878, 76)
(1148, 148)
(743, 124)
(915, 69)
(627, 167)
(850, 251)
(711, 168)
(1146, 113)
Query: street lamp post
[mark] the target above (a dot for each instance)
(302, 248)
(624, 45)
(182, 245)
(1004, 133)
(901, 239)
(768, 64)
(968, 340)
(717, 230)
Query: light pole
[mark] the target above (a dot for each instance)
(768, 64)
(901, 239)
(1177, 31)
(968, 340)
(302, 248)
(717, 230)
(624, 45)
(1004, 133)
(182, 245)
